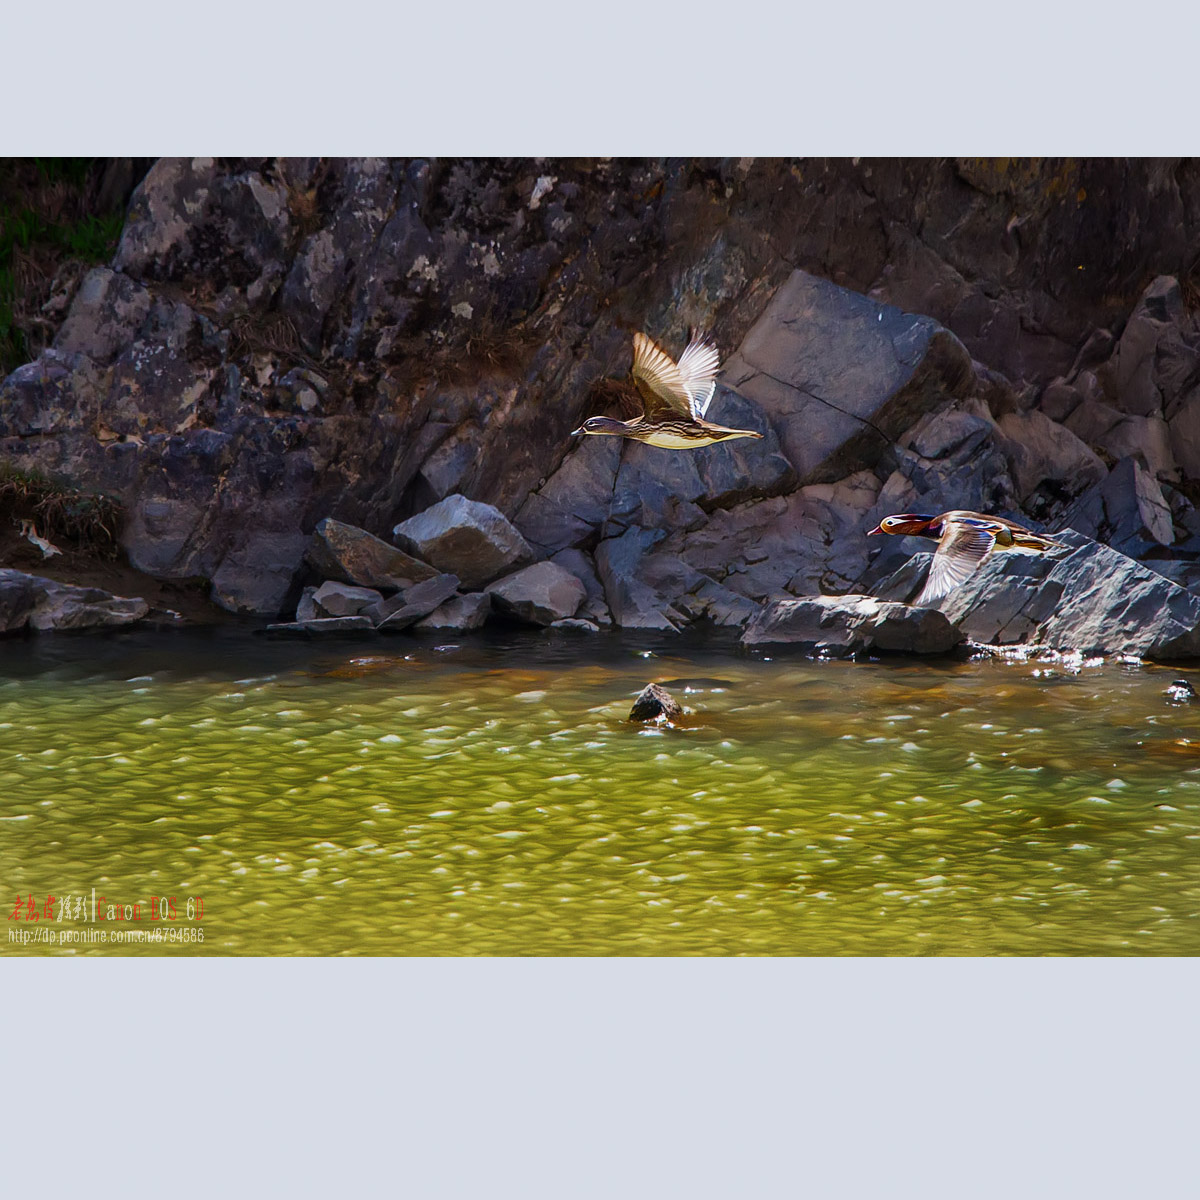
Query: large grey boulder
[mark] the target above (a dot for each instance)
(845, 625)
(541, 594)
(1088, 598)
(47, 605)
(634, 603)
(259, 571)
(842, 377)
(351, 555)
(474, 541)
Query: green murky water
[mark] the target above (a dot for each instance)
(492, 799)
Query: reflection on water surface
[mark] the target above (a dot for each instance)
(491, 798)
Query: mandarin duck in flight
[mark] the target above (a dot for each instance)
(964, 540)
(675, 397)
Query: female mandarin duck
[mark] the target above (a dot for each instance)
(964, 540)
(675, 397)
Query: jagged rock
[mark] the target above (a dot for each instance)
(475, 541)
(351, 555)
(1041, 453)
(259, 572)
(655, 702)
(105, 316)
(633, 603)
(160, 222)
(460, 614)
(1090, 599)
(1127, 510)
(408, 607)
(845, 625)
(841, 376)
(343, 600)
(1122, 435)
(47, 605)
(541, 594)
(576, 500)
(1153, 360)
(947, 431)
(581, 565)
(321, 627)
(306, 610)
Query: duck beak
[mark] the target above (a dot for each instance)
(873, 532)
(576, 432)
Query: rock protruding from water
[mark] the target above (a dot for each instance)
(408, 607)
(841, 376)
(655, 702)
(474, 541)
(321, 627)
(47, 605)
(1087, 598)
(348, 554)
(460, 614)
(1180, 692)
(845, 625)
(541, 594)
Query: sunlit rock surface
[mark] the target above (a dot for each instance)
(1087, 598)
(841, 625)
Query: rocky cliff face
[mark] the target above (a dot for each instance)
(281, 341)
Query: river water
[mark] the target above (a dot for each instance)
(217, 792)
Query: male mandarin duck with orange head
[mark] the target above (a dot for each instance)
(964, 540)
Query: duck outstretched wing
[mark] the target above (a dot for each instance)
(964, 545)
(698, 367)
(658, 378)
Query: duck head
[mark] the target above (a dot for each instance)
(902, 523)
(600, 426)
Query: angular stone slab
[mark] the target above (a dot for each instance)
(321, 627)
(633, 602)
(47, 605)
(343, 599)
(409, 607)
(474, 541)
(842, 377)
(351, 555)
(845, 625)
(541, 594)
(1089, 598)
(460, 614)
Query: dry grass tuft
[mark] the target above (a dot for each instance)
(90, 521)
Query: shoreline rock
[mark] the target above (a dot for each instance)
(45, 605)
(846, 625)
